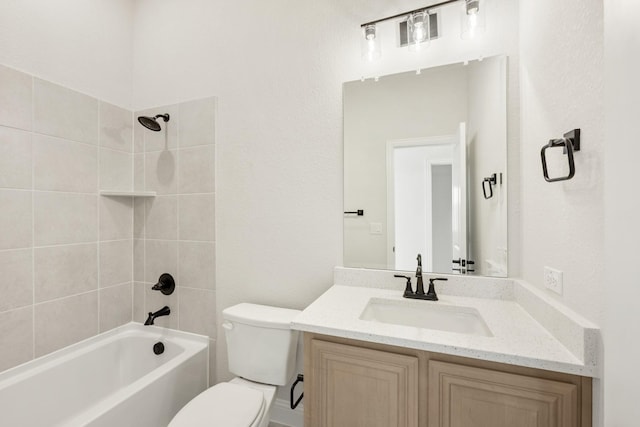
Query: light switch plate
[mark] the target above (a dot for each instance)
(375, 228)
(553, 280)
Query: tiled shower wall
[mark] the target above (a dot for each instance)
(68, 256)
(65, 251)
(174, 232)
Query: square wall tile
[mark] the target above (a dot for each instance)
(15, 158)
(64, 218)
(116, 128)
(167, 137)
(198, 311)
(116, 170)
(116, 304)
(160, 171)
(15, 98)
(15, 219)
(161, 256)
(197, 122)
(61, 271)
(138, 260)
(139, 314)
(16, 286)
(116, 218)
(196, 265)
(196, 170)
(196, 217)
(138, 172)
(116, 266)
(63, 165)
(139, 217)
(64, 113)
(138, 135)
(16, 330)
(65, 321)
(162, 218)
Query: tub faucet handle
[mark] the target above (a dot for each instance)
(165, 284)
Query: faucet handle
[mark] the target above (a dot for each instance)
(431, 292)
(408, 290)
(165, 284)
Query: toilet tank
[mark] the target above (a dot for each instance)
(261, 346)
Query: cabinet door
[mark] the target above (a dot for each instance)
(465, 396)
(360, 387)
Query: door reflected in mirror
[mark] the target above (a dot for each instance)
(417, 150)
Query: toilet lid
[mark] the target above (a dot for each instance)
(225, 404)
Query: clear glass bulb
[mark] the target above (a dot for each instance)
(418, 30)
(472, 19)
(370, 43)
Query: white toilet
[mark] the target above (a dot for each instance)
(261, 347)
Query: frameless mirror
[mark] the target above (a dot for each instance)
(425, 162)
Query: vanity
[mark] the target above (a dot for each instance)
(425, 172)
(491, 352)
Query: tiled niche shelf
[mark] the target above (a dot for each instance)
(109, 193)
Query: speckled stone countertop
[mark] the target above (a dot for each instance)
(528, 328)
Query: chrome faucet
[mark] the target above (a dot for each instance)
(164, 311)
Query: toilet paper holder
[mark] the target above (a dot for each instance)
(294, 405)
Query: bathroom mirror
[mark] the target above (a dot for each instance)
(425, 162)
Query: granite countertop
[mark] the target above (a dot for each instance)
(518, 338)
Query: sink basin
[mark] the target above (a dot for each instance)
(426, 315)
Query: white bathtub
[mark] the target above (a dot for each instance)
(113, 379)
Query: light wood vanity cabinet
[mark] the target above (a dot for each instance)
(350, 383)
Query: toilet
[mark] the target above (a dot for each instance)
(261, 347)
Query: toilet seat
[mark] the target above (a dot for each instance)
(225, 404)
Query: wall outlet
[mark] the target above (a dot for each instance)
(553, 280)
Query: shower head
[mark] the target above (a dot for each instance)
(151, 123)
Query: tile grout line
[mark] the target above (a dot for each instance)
(133, 214)
(98, 252)
(178, 212)
(144, 221)
(33, 225)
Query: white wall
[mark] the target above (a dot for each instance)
(561, 53)
(83, 45)
(619, 290)
(277, 68)
(562, 87)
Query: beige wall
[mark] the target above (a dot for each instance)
(65, 252)
(174, 232)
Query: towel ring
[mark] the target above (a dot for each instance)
(570, 143)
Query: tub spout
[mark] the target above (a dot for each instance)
(164, 311)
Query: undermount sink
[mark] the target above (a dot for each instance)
(426, 315)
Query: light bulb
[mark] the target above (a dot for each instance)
(472, 19)
(370, 43)
(418, 30)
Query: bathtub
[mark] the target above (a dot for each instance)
(112, 379)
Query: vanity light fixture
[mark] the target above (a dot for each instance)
(418, 31)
